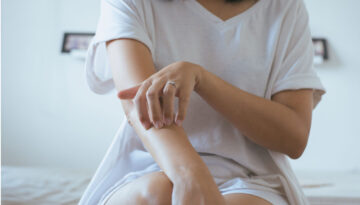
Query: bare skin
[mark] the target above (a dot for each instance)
(137, 192)
(192, 183)
(226, 11)
(281, 124)
(186, 179)
(169, 145)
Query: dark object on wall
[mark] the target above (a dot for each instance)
(320, 50)
(76, 41)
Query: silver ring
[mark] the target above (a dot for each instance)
(172, 83)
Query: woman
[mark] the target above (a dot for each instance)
(242, 74)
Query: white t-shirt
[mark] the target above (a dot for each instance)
(264, 50)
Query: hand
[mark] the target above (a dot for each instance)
(154, 97)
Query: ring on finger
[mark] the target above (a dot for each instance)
(171, 83)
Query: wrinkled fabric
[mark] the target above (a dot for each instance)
(264, 50)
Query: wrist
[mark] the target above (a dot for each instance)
(199, 76)
(190, 172)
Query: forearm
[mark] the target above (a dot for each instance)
(131, 63)
(170, 148)
(265, 122)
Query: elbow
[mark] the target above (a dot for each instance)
(298, 147)
(296, 154)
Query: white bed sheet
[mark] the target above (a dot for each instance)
(45, 186)
(41, 186)
(331, 187)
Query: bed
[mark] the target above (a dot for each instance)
(41, 186)
(44, 186)
(332, 187)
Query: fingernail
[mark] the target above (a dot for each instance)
(168, 121)
(178, 122)
(146, 125)
(158, 124)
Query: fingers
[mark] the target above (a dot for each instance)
(161, 115)
(168, 103)
(140, 102)
(153, 99)
(184, 99)
(129, 93)
(154, 102)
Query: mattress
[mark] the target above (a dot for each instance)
(331, 187)
(41, 186)
(45, 186)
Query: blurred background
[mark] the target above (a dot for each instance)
(50, 119)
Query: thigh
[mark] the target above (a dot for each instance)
(152, 188)
(244, 199)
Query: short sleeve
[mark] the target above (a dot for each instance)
(118, 19)
(295, 56)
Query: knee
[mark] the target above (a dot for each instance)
(152, 189)
(157, 190)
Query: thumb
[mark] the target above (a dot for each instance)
(128, 93)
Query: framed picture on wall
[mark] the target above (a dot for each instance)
(76, 41)
(320, 50)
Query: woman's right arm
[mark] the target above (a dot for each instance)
(131, 63)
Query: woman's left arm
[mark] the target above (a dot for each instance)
(281, 124)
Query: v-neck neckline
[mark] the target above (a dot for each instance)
(201, 10)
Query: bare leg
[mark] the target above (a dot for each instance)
(239, 199)
(156, 189)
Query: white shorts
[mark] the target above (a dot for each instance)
(229, 176)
